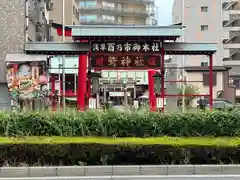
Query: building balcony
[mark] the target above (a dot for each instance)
(115, 11)
(226, 35)
(228, 4)
(233, 12)
(226, 14)
(232, 45)
(232, 28)
(135, 1)
(147, 2)
(231, 62)
(98, 21)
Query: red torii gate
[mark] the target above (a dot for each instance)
(82, 46)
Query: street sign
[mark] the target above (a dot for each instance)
(125, 47)
(126, 61)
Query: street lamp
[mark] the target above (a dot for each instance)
(157, 83)
(95, 76)
(125, 93)
(158, 87)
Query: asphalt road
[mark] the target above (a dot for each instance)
(177, 177)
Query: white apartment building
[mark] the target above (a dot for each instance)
(208, 21)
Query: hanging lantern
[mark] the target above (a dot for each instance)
(95, 82)
(157, 83)
(43, 80)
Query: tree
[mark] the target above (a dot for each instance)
(189, 92)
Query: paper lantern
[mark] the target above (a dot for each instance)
(43, 80)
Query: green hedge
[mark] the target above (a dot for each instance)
(119, 124)
(99, 154)
(39, 151)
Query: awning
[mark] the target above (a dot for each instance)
(25, 58)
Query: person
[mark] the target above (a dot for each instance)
(202, 104)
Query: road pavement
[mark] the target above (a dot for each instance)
(173, 177)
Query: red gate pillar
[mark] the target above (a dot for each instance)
(162, 78)
(211, 82)
(151, 92)
(82, 78)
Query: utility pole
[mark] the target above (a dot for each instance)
(183, 61)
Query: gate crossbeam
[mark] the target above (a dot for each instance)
(82, 48)
(52, 48)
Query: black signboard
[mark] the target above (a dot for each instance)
(126, 47)
(125, 61)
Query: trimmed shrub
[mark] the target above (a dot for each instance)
(99, 154)
(69, 151)
(120, 124)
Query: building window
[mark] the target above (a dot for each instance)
(75, 12)
(236, 82)
(204, 64)
(119, 7)
(88, 4)
(88, 18)
(108, 4)
(204, 9)
(108, 18)
(204, 27)
(206, 79)
(119, 20)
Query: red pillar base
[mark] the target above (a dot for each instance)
(151, 93)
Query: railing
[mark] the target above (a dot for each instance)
(134, 1)
(98, 21)
(137, 1)
(230, 4)
(123, 11)
(105, 22)
(228, 40)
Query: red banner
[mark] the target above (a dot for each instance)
(126, 61)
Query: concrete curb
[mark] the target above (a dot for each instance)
(60, 171)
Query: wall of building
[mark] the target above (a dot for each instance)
(194, 18)
(12, 39)
(197, 76)
(12, 20)
(5, 102)
(110, 14)
(203, 21)
(56, 16)
(13, 35)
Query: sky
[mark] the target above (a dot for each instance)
(164, 11)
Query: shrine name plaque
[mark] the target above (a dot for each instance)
(126, 61)
(125, 47)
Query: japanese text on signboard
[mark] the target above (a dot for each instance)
(126, 47)
(125, 61)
